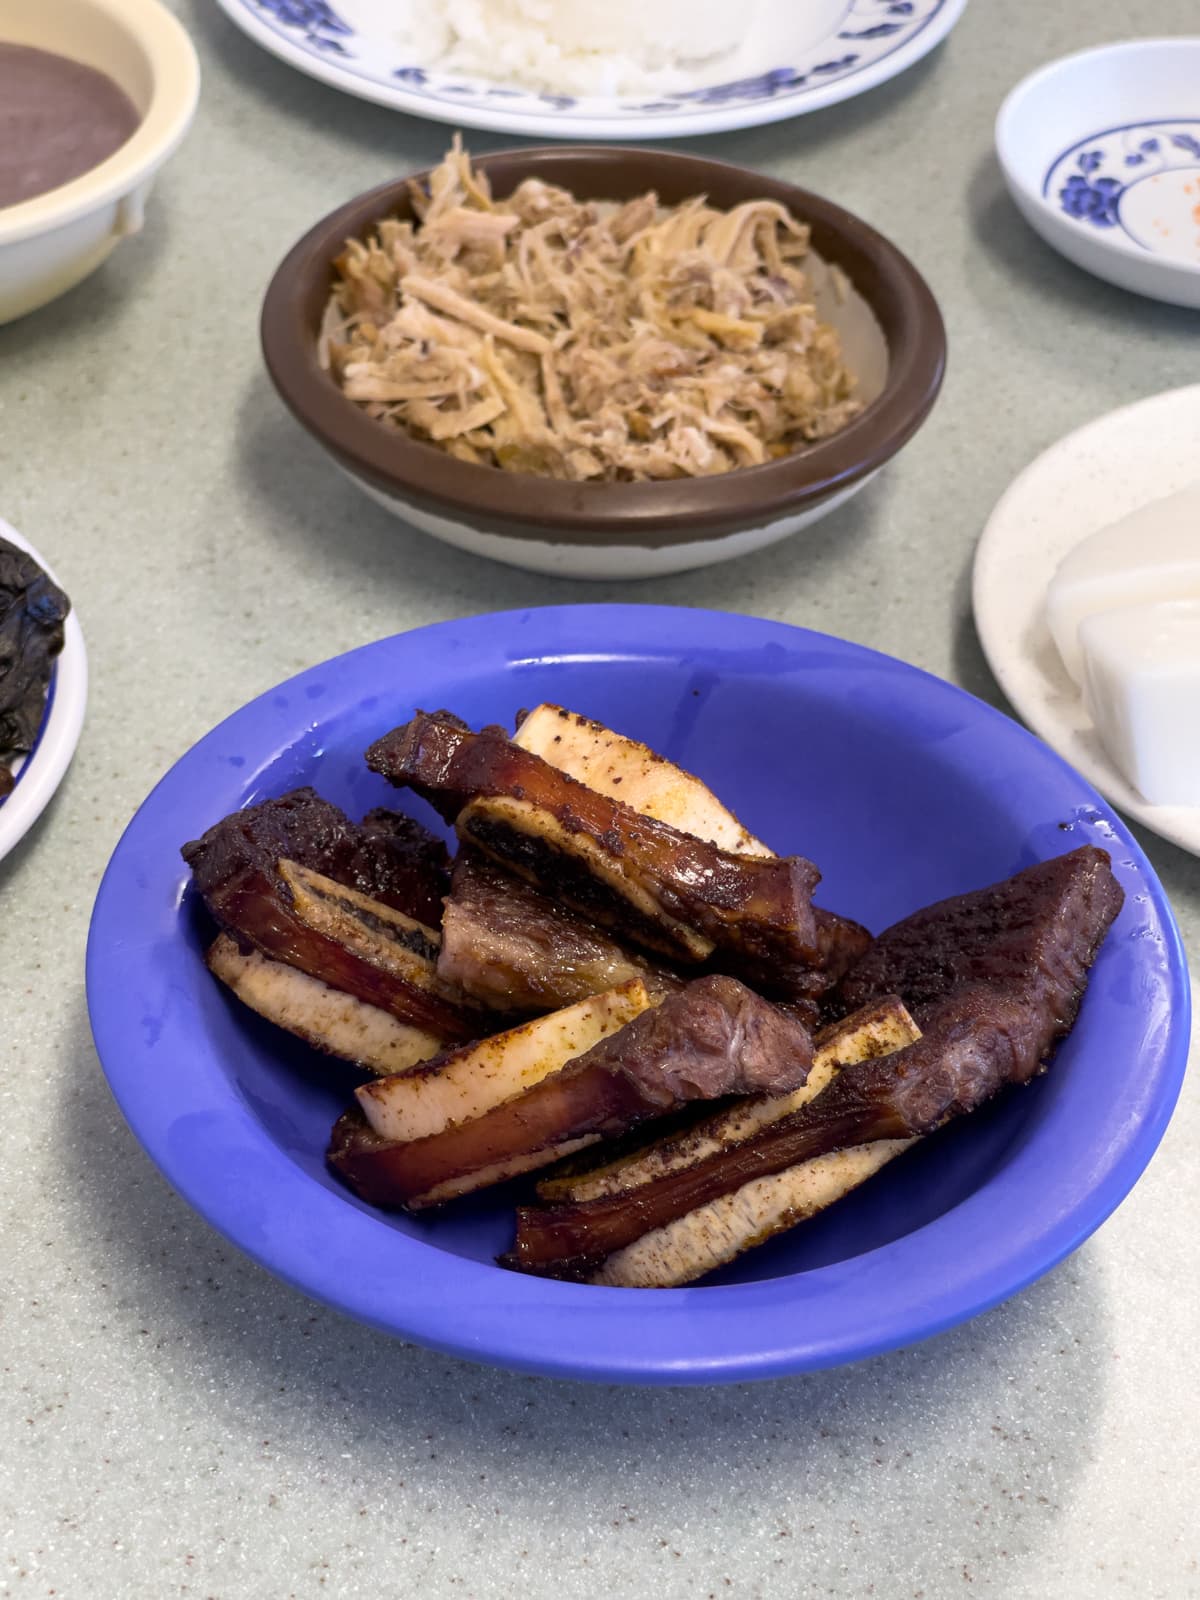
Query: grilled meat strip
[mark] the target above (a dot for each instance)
(462, 1085)
(1034, 934)
(625, 770)
(696, 1244)
(665, 889)
(513, 948)
(714, 1038)
(323, 1017)
(387, 856)
(1043, 929)
(293, 914)
(878, 1030)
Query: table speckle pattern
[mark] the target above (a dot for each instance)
(175, 1422)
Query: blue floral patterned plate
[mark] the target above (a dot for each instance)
(794, 59)
(1143, 178)
(1101, 151)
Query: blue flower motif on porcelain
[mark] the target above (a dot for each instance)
(366, 40)
(318, 22)
(1141, 180)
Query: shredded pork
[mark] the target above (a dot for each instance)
(547, 335)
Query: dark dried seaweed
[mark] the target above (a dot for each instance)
(33, 610)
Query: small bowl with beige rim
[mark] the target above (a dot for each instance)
(51, 240)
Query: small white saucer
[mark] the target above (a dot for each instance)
(1093, 476)
(1101, 152)
(41, 772)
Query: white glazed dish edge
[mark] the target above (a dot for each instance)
(1098, 473)
(1104, 107)
(50, 243)
(598, 562)
(758, 86)
(40, 774)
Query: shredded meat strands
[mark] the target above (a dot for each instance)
(542, 334)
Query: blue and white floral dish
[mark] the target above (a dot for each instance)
(794, 59)
(1101, 152)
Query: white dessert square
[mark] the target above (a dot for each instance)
(1142, 690)
(1152, 554)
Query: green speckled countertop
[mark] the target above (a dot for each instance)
(173, 1421)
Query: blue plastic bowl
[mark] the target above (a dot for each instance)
(901, 787)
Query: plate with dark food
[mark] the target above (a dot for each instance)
(638, 994)
(43, 685)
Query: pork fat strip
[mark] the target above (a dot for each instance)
(629, 771)
(1033, 934)
(665, 889)
(513, 948)
(714, 1038)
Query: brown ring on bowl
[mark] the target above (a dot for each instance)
(677, 511)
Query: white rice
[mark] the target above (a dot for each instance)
(577, 47)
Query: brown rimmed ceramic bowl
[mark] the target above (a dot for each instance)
(892, 333)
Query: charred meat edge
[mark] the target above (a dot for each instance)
(716, 1038)
(369, 1166)
(648, 783)
(1031, 933)
(387, 856)
(600, 856)
(348, 941)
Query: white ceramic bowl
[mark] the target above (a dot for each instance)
(49, 243)
(1101, 152)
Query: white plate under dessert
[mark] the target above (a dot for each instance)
(1101, 472)
(793, 58)
(41, 772)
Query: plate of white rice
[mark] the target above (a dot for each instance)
(600, 69)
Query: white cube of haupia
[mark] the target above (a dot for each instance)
(1142, 689)
(1152, 554)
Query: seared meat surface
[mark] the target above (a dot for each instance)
(246, 871)
(668, 890)
(1035, 935)
(514, 948)
(387, 856)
